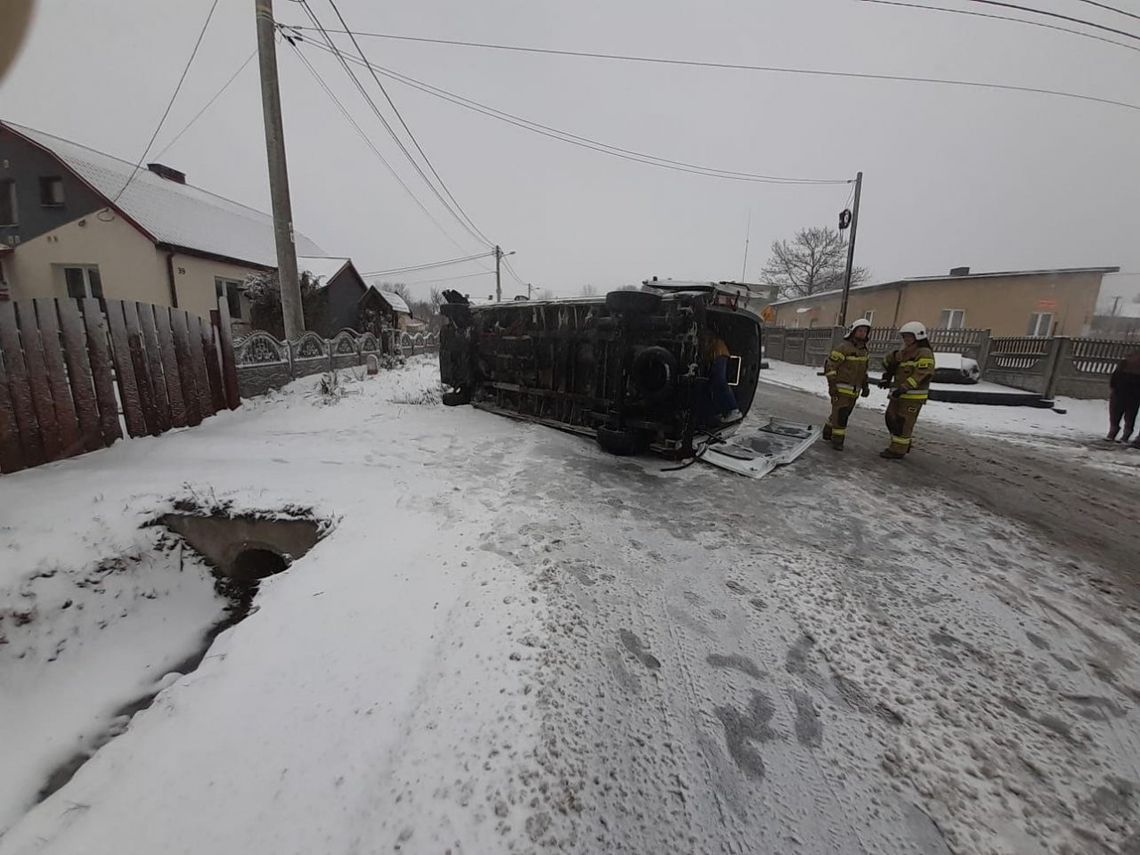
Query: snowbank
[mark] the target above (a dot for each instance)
(372, 696)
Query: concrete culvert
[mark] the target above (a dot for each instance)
(252, 564)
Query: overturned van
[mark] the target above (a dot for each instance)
(636, 370)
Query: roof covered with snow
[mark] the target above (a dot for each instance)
(917, 280)
(180, 215)
(322, 268)
(395, 301)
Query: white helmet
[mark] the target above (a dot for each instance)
(862, 322)
(914, 328)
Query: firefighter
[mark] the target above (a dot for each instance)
(846, 373)
(907, 373)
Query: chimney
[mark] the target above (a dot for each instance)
(959, 271)
(167, 172)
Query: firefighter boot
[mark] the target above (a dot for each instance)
(827, 431)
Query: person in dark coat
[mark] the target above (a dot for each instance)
(1124, 399)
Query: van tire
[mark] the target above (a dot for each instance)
(621, 442)
(654, 374)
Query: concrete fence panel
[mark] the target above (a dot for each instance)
(773, 339)
(1022, 362)
(1085, 365)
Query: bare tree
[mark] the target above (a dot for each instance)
(814, 260)
(588, 291)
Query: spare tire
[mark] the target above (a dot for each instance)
(654, 374)
(619, 441)
(632, 302)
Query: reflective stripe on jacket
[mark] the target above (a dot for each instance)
(912, 372)
(846, 367)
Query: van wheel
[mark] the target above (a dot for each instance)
(455, 399)
(619, 441)
(654, 373)
(632, 302)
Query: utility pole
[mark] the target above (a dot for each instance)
(851, 250)
(747, 239)
(529, 291)
(291, 308)
(498, 274)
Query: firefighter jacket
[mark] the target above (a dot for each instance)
(846, 368)
(912, 372)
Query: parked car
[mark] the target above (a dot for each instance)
(627, 369)
(955, 368)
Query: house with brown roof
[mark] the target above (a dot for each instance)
(75, 222)
(1008, 303)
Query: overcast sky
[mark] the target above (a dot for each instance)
(993, 180)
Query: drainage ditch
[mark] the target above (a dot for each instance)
(241, 550)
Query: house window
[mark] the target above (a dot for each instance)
(83, 282)
(952, 319)
(8, 203)
(232, 289)
(1040, 325)
(51, 191)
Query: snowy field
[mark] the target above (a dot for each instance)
(510, 642)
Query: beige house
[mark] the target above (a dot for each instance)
(74, 222)
(1013, 303)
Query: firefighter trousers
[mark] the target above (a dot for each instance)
(900, 417)
(842, 406)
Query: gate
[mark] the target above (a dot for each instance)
(70, 368)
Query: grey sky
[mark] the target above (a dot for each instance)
(989, 179)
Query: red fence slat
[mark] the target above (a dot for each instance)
(154, 366)
(79, 374)
(24, 413)
(38, 379)
(143, 381)
(170, 370)
(124, 369)
(102, 371)
(198, 363)
(224, 326)
(213, 369)
(182, 345)
(11, 454)
(70, 437)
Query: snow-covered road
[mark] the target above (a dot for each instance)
(511, 642)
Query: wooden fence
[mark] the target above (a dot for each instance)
(70, 368)
(811, 346)
(1075, 367)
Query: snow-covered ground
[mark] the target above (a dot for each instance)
(512, 642)
(1084, 421)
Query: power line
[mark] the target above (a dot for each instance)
(368, 141)
(997, 17)
(1002, 4)
(170, 103)
(430, 265)
(592, 144)
(511, 271)
(332, 48)
(207, 105)
(451, 278)
(407, 130)
(1108, 8)
(769, 69)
